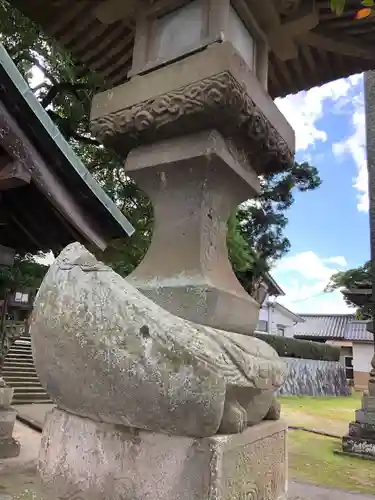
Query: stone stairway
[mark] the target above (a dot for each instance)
(19, 372)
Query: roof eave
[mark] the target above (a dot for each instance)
(30, 102)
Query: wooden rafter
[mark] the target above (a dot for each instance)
(346, 46)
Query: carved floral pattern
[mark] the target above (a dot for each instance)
(217, 102)
(261, 465)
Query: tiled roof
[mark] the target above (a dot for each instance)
(357, 331)
(327, 326)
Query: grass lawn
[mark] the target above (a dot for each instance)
(311, 457)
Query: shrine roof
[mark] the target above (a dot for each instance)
(62, 202)
(335, 47)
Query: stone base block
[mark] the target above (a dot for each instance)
(363, 430)
(205, 305)
(92, 461)
(365, 417)
(9, 448)
(356, 455)
(368, 403)
(358, 445)
(7, 419)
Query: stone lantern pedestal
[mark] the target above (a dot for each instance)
(196, 134)
(9, 447)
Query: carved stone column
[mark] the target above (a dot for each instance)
(194, 184)
(197, 134)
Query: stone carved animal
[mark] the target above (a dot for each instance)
(106, 352)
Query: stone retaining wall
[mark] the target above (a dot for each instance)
(307, 377)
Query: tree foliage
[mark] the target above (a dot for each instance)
(25, 273)
(366, 8)
(359, 278)
(256, 233)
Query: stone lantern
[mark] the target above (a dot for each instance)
(196, 128)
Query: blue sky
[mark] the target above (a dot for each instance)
(328, 228)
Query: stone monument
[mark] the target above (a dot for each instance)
(9, 447)
(150, 405)
(360, 440)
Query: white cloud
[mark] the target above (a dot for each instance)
(312, 300)
(303, 277)
(355, 145)
(339, 260)
(305, 109)
(310, 266)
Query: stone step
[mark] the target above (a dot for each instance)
(19, 372)
(23, 382)
(17, 363)
(34, 389)
(20, 348)
(34, 401)
(23, 376)
(20, 401)
(16, 359)
(30, 396)
(14, 356)
(18, 368)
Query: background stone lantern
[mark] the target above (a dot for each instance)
(197, 128)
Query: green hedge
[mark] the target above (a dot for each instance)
(303, 349)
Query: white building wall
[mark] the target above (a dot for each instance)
(362, 356)
(278, 318)
(271, 314)
(263, 313)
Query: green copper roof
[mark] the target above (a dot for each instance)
(24, 106)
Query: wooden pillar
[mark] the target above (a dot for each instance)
(369, 80)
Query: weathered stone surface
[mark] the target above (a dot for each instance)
(194, 183)
(111, 462)
(2, 382)
(6, 396)
(365, 417)
(368, 403)
(212, 88)
(364, 430)
(308, 377)
(9, 448)
(104, 351)
(7, 419)
(362, 446)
